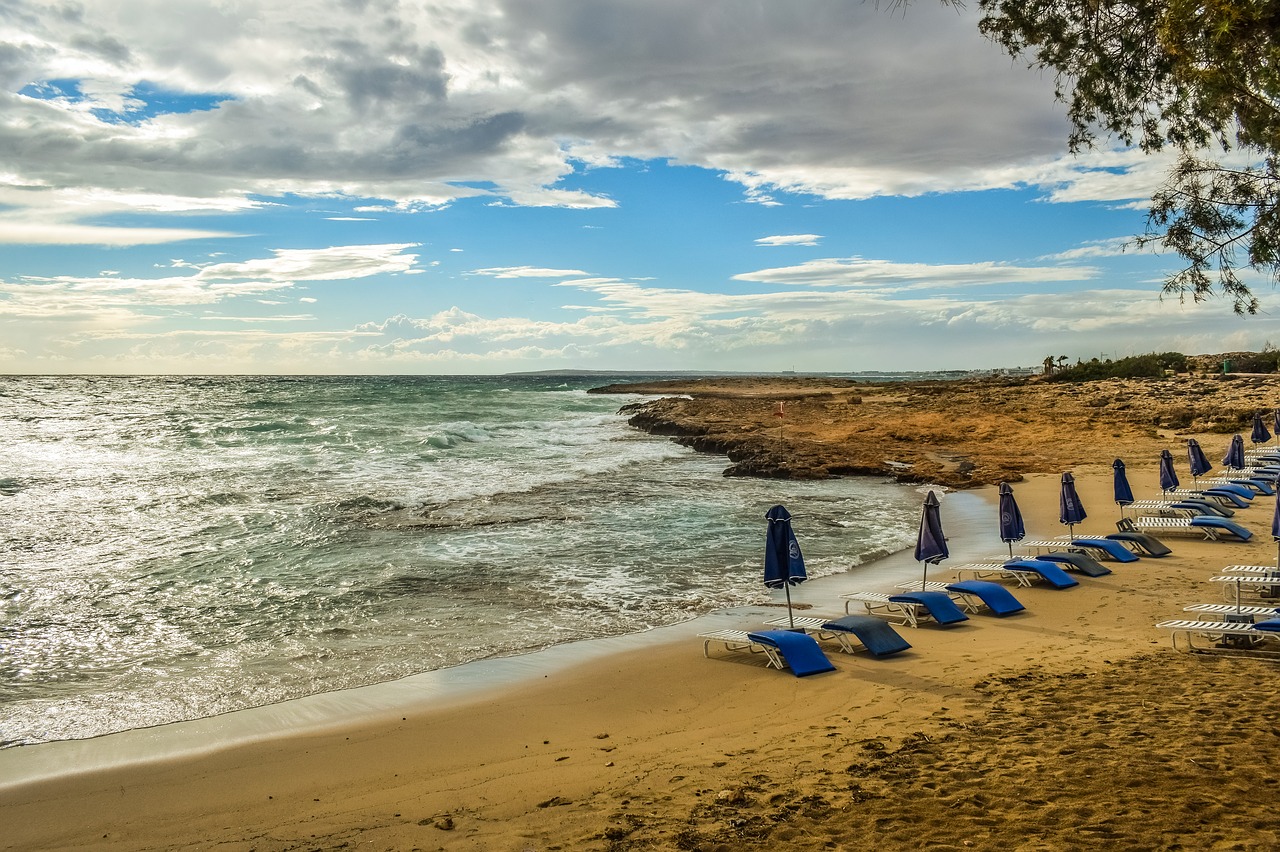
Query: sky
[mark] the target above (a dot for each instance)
(467, 187)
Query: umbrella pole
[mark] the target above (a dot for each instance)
(1010, 549)
(786, 587)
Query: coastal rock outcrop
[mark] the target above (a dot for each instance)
(960, 433)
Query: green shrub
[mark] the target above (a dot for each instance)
(1149, 366)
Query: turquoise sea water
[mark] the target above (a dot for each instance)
(172, 548)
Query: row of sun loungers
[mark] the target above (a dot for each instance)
(1249, 623)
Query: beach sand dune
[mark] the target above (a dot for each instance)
(1071, 726)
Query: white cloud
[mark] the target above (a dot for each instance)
(790, 240)
(336, 263)
(111, 298)
(889, 275)
(527, 272)
(421, 104)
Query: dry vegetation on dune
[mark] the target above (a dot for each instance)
(956, 433)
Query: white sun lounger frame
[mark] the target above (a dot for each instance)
(1232, 609)
(1161, 509)
(878, 603)
(812, 624)
(1261, 570)
(1233, 584)
(1179, 525)
(967, 601)
(1199, 495)
(1229, 638)
(998, 570)
(1069, 543)
(739, 640)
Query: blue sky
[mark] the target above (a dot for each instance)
(462, 187)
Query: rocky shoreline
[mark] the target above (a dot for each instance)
(961, 434)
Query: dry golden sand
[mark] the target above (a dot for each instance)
(1071, 726)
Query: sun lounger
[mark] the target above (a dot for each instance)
(1210, 528)
(1227, 610)
(975, 595)
(910, 608)
(1102, 547)
(997, 599)
(1228, 498)
(979, 570)
(853, 632)
(782, 649)
(1253, 487)
(1178, 508)
(1048, 572)
(1260, 570)
(1237, 587)
(1081, 563)
(1148, 544)
(1223, 637)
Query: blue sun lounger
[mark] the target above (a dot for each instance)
(1234, 496)
(999, 600)
(853, 632)
(909, 608)
(1081, 563)
(1212, 528)
(938, 604)
(1205, 507)
(799, 651)
(1112, 549)
(1049, 572)
(1150, 545)
(781, 648)
(1218, 525)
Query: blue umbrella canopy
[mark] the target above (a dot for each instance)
(1234, 458)
(1168, 476)
(1011, 526)
(1259, 435)
(931, 543)
(783, 563)
(1124, 494)
(1070, 509)
(1199, 463)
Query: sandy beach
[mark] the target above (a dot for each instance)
(1073, 725)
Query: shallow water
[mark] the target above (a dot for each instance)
(179, 547)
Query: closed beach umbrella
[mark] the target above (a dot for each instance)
(1168, 476)
(1275, 522)
(1275, 425)
(1234, 458)
(1259, 435)
(931, 544)
(1199, 462)
(1070, 509)
(1011, 527)
(1124, 494)
(783, 564)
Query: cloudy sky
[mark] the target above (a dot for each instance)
(458, 186)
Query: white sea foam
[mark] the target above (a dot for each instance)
(181, 547)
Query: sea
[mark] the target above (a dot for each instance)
(173, 548)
